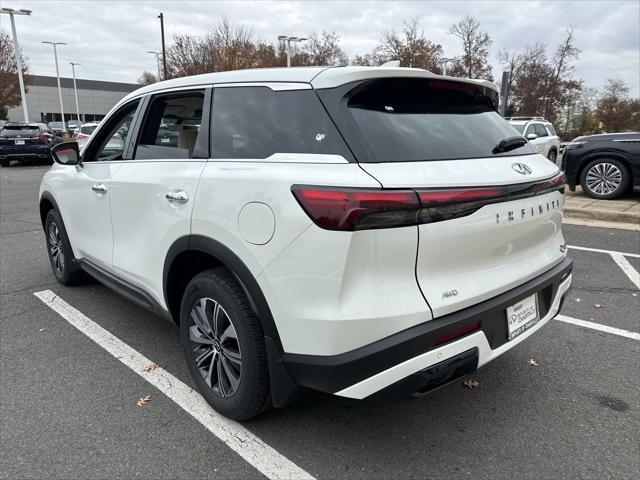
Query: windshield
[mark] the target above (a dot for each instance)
(405, 120)
(519, 128)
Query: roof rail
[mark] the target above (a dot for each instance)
(526, 118)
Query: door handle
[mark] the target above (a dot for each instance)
(99, 188)
(177, 196)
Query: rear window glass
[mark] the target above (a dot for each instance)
(519, 128)
(20, 129)
(405, 120)
(552, 130)
(256, 122)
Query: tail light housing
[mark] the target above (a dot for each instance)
(352, 209)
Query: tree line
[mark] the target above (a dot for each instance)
(540, 84)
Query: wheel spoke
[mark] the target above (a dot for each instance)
(231, 375)
(211, 368)
(196, 336)
(199, 316)
(221, 375)
(229, 333)
(232, 356)
(201, 359)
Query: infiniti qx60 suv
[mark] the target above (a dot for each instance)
(369, 232)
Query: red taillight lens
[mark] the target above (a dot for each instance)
(457, 333)
(42, 138)
(350, 209)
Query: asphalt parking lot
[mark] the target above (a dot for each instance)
(69, 408)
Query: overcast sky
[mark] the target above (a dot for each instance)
(110, 38)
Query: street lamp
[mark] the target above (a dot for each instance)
(75, 89)
(55, 54)
(157, 54)
(444, 65)
(23, 96)
(288, 39)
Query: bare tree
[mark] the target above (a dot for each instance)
(410, 46)
(9, 86)
(147, 78)
(474, 62)
(616, 110)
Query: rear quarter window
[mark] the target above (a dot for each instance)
(256, 122)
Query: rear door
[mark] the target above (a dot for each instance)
(490, 216)
(152, 194)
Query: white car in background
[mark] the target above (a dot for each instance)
(540, 134)
(84, 133)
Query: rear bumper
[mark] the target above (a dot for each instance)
(28, 151)
(408, 361)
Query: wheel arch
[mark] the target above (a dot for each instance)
(192, 254)
(47, 202)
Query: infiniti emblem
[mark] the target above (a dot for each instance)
(521, 168)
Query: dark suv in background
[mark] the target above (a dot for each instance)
(605, 165)
(26, 142)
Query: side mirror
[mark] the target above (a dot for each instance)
(532, 136)
(67, 153)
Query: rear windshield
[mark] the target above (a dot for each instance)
(88, 130)
(20, 129)
(403, 120)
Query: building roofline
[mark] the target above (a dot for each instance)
(83, 84)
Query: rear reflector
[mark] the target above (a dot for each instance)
(350, 209)
(457, 333)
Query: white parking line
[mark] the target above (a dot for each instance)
(600, 327)
(257, 453)
(627, 268)
(599, 250)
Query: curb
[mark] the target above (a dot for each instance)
(602, 215)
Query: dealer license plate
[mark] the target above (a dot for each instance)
(19, 142)
(522, 316)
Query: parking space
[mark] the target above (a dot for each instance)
(69, 405)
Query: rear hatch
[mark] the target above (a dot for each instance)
(20, 135)
(490, 213)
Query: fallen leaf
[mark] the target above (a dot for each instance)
(578, 300)
(143, 401)
(471, 383)
(598, 305)
(43, 329)
(532, 362)
(150, 367)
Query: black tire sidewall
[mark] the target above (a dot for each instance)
(555, 156)
(617, 193)
(250, 395)
(69, 273)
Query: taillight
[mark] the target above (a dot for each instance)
(350, 209)
(42, 137)
(457, 333)
(4, 139)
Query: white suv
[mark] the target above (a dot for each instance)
(366, 232)
(540, 133)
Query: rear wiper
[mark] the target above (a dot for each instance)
(510, 143)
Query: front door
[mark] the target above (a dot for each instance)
(86, 194)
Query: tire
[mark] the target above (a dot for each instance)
(605, 178)
(231, 371)
(5, 163)
(60, 253)
(552, 155)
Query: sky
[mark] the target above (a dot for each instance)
(110, 38)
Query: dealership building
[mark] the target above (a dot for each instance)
(95, 99)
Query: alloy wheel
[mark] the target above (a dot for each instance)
(604, 178)
(215, 346)
(55, 247)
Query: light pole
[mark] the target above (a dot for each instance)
(157, 54)
(164, 52)
(55, 54)
(288, 39)
(23, 96)
(75, 89)
(444, 65)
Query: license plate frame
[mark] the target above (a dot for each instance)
(522, 315)
(18, 142)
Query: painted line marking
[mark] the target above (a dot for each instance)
(627, 268)
(599, 250)
(257, 453)
(597, 326)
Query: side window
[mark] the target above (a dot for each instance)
(170, 127)
(530, 129)
(256, 122)
(550, 129)
(110, 141)
(540, 130)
